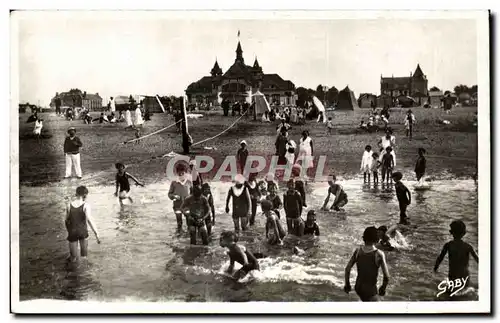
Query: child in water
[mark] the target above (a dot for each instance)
(274, 229)
(368, 260)
(207, 193)
(420, 165)
(180, 189)
(300, 185)
(241, 203)
(366, 163)
(374, 167)
(384, 239)
(311, 226)
(242, 155)
(404, 197)
(338, 191)
(238, 253)
(255, 196)
(76, 220)
(275, 201)
(458, 253)
(387, 165)
(292, 202)
(197, 210)
(122, 183)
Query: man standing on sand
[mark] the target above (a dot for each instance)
(57, 102)
(72, 146)
(112, 105)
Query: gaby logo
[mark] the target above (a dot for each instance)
(453, 286)
(254, 164)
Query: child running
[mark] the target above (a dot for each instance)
(311, 226)
(338, 191)
(368, 259)
(207, 193)
(241, 203)
(458, 253)
(274, 229)
(420, 165)
(387, 165)
(238, 253)
(122, 183)
(255, 196)
(76, 220)
(292, 202)
(275, 201)
(197, 210)
(180, 189)
(404, 197)
(366, 163)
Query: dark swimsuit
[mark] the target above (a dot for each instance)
(312, 230)
(343, 195)
(253, 264)
(122, 180)
(76, 224)
(366, 281)
(240, 204)
(276, 201)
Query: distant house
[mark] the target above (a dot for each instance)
(384, 101)
(367, 100)
(435, 98)
(77, 98)
(405, 85)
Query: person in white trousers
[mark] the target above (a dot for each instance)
(72, 146)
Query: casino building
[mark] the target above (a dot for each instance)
(238, 83)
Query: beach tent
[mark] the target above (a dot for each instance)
(261, 104)
(320, 108)
(346, 100)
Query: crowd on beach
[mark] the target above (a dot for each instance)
(194, 209)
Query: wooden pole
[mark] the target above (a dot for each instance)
(184, 126)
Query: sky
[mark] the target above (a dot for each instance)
(113, 54)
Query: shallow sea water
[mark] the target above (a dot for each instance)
(141, 257)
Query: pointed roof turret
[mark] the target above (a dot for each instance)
(418, 72)
(256, 63)
(239, 54)
(216, 70)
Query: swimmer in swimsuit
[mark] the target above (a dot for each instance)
(207, 193)
(255, 196)
(384, 239)
(340, 195)
(122, 183)
(458, 253)
(240, 254)
(179, 190)
(292, 202)
(274, 229)
(311, 227)
(241, 203)
(197, 210)
(368, 259)
(275, 200)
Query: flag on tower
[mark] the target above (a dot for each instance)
(238, 33)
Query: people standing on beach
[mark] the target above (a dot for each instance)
(329, 125)
(197, 210)
(180, 189)
(72, 145)
(242, 155)
(339, 193)
(306, 151)
(78, 216)
(368, 260)
(409, 121)
(128, 118)
(374, 167)
(57, 102)
(420, 165)
(459, 253)
(366, 163)
(292, 203)
(404, 197)
(122, 183)
(112, 105)
(291, 146)
(241, 203)
(138, 121)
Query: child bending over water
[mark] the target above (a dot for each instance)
(274, 229)
(122, 183)
(76, 220)
(368, 260)
(458, 253)
(338, 191)
(240, 254)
